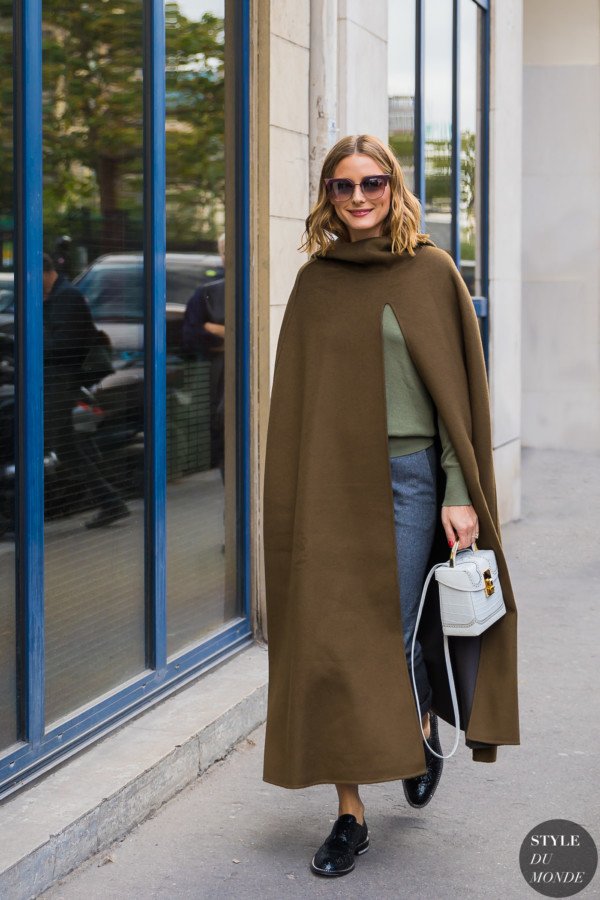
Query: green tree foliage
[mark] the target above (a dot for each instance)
(195, 123)
(92, 81)
(438, 167)
(468, 165)
(403, 143)
(93, 116)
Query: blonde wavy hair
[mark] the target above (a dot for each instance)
(402, 222)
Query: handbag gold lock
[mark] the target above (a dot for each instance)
(489, 584)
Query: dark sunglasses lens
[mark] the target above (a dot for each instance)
(373, 187)
(340, 189)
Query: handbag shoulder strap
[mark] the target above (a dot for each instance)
(448, 668)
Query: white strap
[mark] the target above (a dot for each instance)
(448, 668)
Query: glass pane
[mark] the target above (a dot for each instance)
(93, 346)
(201, 589)
(470, 78)
(401, 85)
(438, 120)
(8, 686)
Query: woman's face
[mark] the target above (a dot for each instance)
(362, 217)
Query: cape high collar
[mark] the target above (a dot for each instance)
(367, 251)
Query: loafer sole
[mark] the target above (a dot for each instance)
(358, 850)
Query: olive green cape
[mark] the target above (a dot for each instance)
(340, 701)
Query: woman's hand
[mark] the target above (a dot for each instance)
(460, 522)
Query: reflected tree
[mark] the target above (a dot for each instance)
(438, 168)
(468, 167)
(195, 125)
(402, 143)
(92, 109)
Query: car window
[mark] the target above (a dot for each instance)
(114, 292)
(7, 300)
(181, 283)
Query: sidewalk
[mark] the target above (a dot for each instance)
(231, 835)
(80, 808)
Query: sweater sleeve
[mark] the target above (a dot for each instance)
(456, 493)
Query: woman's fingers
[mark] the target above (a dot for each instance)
(450, 535)
(460, 523)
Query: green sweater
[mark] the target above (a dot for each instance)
(411, 413)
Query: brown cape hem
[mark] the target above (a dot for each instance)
(377, 780)
(479, 754)
(485, 754)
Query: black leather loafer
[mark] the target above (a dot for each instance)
(336, 854)
(420, 789)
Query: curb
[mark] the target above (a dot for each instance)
(49, 829)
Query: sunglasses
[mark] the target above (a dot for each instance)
(341, 189)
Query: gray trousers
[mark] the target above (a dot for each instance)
(414, 490)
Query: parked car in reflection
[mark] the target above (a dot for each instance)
(7, 302)
(114, 288)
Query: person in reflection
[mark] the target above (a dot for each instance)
(203, 331)
(69, 336)
(63, 256)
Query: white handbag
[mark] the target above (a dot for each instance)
(470, 601)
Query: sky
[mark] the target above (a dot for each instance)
(438, 58)
(194, 9)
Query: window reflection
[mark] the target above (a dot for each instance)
(93, 314)
(93, 349)
(438, 120)
(201, 588)
(8, 692)
(401, 86)
(469, 171)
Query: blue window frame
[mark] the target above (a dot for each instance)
(455, 11)
(38, 745)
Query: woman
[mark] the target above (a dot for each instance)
(378, 457)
